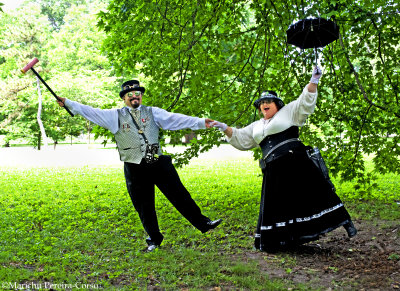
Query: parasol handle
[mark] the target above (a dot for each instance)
(316, 56)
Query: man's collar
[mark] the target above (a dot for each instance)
(130, 108)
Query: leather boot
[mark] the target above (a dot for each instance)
(351, 229)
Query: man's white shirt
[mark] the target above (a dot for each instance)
(108, 118)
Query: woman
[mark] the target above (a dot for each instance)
(298, 203)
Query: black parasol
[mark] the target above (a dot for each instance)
(312, 33)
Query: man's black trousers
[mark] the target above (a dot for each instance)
(140, 181)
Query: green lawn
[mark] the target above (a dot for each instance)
(78, 226)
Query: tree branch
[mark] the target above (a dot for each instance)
(240, 72)
(360, 134)
(164, 16)
(11, 117)
(383, 62)
(360, 86)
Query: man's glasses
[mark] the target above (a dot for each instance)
(137, 93)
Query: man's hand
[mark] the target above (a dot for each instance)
(61, 103)
(208, 122)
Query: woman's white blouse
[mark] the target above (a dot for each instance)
(293, 114)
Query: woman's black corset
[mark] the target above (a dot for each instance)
(270, 141)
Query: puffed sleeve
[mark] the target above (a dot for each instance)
(242, 138)
(302, 107)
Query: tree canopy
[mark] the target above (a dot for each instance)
(70, 61)
(209, 59)
(213, 58)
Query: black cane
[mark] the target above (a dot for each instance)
(30, 66)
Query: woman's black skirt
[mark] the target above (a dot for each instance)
(297, 203)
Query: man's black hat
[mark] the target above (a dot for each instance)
(269, 95)
(128, 86)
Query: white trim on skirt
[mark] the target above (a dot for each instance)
(308, 218)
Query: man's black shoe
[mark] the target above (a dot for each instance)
(152, 245)
(151, 248)
(212, 224)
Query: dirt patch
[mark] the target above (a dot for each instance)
(369, 261)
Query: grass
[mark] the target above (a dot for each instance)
(78, 226)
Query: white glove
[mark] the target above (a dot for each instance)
(221, 126)
(316, 74)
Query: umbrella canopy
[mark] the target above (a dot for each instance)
(312, 33)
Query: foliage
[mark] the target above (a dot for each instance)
(69, 61)
(32, 32)
(208, 58)
(68, 225)
(56, 9)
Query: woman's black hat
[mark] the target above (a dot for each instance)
(128, 86)
(269, 95)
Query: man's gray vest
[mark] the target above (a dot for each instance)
(130, 143)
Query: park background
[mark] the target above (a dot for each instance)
(73, 222)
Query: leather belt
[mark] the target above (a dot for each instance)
(279, 145)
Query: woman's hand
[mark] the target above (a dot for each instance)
(221, 126)
(316, 74)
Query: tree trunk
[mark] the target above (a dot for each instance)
(190, 136)
(39, 140)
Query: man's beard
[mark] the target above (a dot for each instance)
(136, 104)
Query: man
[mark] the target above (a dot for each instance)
(136, 130)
